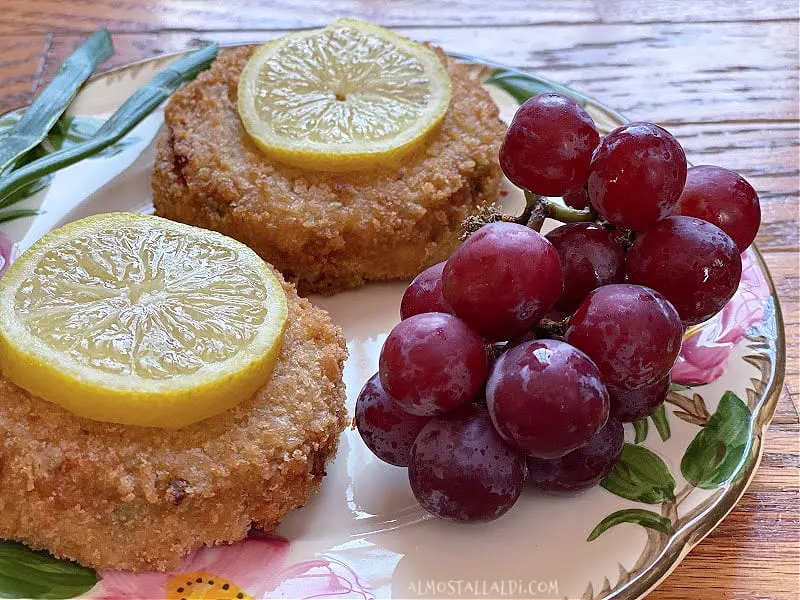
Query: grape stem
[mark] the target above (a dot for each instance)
(537, 208)
(626, 238)
(531, 202)
(554, 330)
(565, 214)
(535, 212)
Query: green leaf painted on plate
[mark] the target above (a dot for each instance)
(645, 518)
(677, 387)
(661, 421)
(640, 429)
(640, 475)
(720, 452)
(74, 130)
(25, 573)
(12, 215)
(523, 86)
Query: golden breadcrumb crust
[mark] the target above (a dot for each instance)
(326, 231)
(120, 497)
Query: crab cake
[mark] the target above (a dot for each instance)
(121, 497)
(326, 231)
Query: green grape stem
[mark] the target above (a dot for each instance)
(537, 208)
(565, 214)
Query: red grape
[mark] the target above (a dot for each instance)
(386, 429)
(637, 175)
(591, 257)
(632, 333)
(692, 262)
(424, 294)
(432, 363)
(546, 398)
(503, 280)
(725, 199)
(577, 198)
(548, 146)
(582, 468)
(460, 469)
(632, 405)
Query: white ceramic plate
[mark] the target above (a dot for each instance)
(364, 535)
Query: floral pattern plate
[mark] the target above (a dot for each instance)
(364, 536)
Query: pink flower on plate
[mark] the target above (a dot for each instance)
(706, 348)
(250, 570)
(242, 568)
(8, 252)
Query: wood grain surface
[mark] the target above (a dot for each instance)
(720, 74)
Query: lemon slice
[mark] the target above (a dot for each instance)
(349, 96)
(139, 320)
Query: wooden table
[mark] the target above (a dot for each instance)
(720, 74)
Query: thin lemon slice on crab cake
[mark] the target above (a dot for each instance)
(350, 96)
(139, 320)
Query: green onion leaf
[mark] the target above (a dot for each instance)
(11, 215)
(40, 117)
(131, 113)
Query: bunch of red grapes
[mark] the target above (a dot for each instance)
(473, 398)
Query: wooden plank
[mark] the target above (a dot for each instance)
(241, 15)
(666, 73)
(786, 412)
(21, 63)
(199, 15)
(785, 270)
(637, 11)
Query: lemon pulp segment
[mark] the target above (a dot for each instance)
(349, 96)
(138, 320)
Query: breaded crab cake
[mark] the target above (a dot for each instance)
(326, 231)
(121, 497)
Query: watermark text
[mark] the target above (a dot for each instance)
(483, 588)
